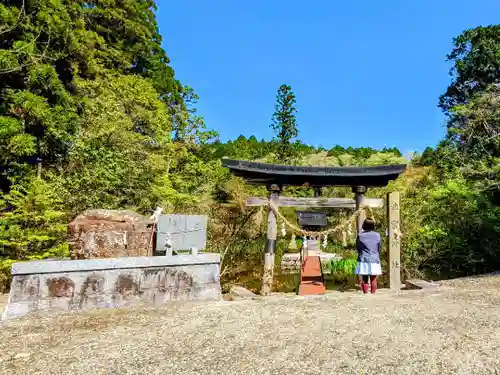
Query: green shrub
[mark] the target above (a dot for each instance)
(344, 267)
(32, 226)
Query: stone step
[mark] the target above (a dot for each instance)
(312, 242)
(313, 245)
(420, 284)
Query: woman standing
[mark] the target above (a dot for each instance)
(368, 247)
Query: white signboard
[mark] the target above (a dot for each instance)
(181, 232)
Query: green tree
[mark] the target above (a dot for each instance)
(47, 46)
(474, 136)
(471, 103)
(476, 59)
(428, 157)
(37, 114)
(32, 225)
(284, 122)
(393, 150)
(336, 151)
(123, 142)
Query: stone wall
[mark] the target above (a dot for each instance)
(74, 285)
(110, 234)
(290, 262)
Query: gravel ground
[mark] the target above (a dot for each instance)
(3, 301)
(452, 329)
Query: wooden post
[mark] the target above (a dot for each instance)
(394, 241)
(317, 194)
(305, 252)
(169, 251)
(359, 192)
(272, 231)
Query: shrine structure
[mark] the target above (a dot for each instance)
(311, 275)
(275, 177)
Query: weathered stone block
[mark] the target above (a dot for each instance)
(239, 292)
(151, 278)
(109, 234)
(420, 284)
(25, 288)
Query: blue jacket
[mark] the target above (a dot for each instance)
(368, 246)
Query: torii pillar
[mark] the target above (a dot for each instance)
(359, 196)
(272, 233)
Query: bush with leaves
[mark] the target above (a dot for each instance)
(32, 225)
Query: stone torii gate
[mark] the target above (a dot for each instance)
(358, 178)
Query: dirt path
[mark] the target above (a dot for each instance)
(452, 330)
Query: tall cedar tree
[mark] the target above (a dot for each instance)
(284, 122)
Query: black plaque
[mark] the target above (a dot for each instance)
(312, 219)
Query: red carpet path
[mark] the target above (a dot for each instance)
(311, 279)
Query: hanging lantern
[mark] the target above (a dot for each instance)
(304, 244)
(283, 229)
(325, 241)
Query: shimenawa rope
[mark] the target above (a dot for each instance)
(303, 232)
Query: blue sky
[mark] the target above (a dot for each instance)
(365, 73)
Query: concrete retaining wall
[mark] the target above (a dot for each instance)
(72, 285)
(290, 263)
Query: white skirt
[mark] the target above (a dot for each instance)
(365, 268)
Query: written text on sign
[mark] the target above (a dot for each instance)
(182, 232)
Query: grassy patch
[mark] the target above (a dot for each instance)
(343, 267)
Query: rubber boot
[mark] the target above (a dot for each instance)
(364, 285)
(373, 282)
